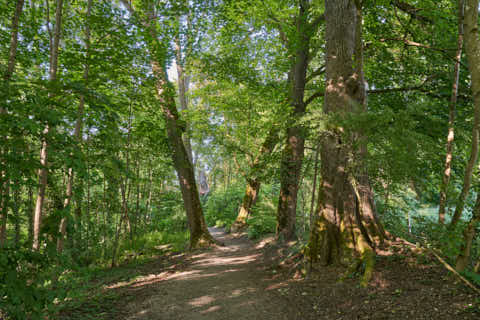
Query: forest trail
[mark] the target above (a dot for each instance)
(241, 281)
(229, 282)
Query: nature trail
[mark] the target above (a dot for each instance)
(229, 282)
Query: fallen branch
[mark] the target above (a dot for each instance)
(445, 264)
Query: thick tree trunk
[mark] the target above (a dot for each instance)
(43, 171)
(451, 117)
(346, 225)
(77, 132)
(254, 180)
(199, 234)
(472, 49)
(293, 153)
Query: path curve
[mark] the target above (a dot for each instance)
(224, 283)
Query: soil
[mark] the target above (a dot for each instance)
(246, 280)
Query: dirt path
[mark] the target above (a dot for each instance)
(243, 281)
(225, 283)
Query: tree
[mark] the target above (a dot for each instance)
(300, 47)
(199, 235)
(43, 171)
(472, 48)
(346, 221)
(451, 117)
(77, 131)
(4, 180)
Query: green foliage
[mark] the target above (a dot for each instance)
(23, 284)
(221, 207)
(260, 225)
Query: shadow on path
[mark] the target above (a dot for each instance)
(227, 282)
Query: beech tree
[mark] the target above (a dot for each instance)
(346, 221)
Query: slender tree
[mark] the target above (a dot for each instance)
(299, 46)
(43, 171)
(472, 48)
(77, 133)
(199, 234)
(451, 117)
(4, 180)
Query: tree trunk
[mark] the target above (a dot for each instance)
(472, 48)
(468, 235)
(314, 188)
(346, 225)
(251, 194)
(4, 205)
(253, 181)
(43, 171)
(293, 153)
(4, 179)
(77, 132)
(451, 117)
(199, 234)
(183, 86)
(16, 212)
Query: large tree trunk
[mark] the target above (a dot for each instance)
(199, 234)
(43, 171)
(472, 49)
(346, 225)
(254, 180)
(293, 153)
(451, 117)
(77, 131)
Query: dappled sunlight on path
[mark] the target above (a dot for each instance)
(227, 282)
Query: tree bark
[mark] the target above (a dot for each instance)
(43, 171)
(451, 117)
(472, 49)
(293, 153)
(183, 86)
(314, 188)
(346, 226)
(468, 235)
(77, 133)
(199, 234)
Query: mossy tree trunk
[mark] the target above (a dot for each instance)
(346, 228)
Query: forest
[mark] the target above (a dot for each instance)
(239, 159)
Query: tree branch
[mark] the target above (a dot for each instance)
(411, 10)
(315, 73)
(313, 97)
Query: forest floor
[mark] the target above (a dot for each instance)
(244, 280)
